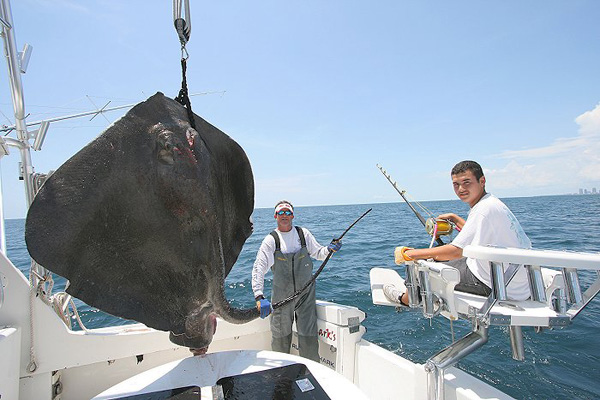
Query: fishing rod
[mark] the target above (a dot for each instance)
(433, 226)
(314, 277)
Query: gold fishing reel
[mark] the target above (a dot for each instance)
(438, 227)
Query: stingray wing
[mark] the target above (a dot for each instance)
(148, 219)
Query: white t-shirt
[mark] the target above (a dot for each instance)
(290, 243)
(490, 222)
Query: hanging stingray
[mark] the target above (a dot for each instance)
(148, 219)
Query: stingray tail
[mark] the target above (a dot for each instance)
(234, 315)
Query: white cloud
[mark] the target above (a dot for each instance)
(589, 122)
(562, 166)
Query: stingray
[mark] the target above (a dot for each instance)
(148, 219)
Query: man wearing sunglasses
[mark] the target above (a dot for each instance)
(287, 251)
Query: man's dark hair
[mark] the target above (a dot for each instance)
(467, 165)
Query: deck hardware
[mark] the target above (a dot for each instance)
(57, 389)
(559, 321)
(560, 302)
(353, 324)
(502, 320)
(511, 305)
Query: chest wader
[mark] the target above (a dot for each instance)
(290, 273)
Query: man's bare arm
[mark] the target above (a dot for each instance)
(440, 253)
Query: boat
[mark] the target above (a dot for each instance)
(44, 358)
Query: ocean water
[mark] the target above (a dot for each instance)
(559, 363)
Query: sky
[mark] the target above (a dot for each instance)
(319, 92)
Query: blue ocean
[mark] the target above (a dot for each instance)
(559, 363)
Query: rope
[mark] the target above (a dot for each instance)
(77, 315)
(183, 97)
(32, 366)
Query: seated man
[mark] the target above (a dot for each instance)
(489, 222)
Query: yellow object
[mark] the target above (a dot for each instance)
(443, 227)
(400, 256)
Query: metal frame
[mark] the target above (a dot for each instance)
(569, 293)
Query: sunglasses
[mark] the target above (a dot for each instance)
(284, 212)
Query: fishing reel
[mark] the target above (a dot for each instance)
(438, 227)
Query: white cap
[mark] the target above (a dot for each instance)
(284, 206)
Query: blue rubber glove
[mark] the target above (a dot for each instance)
(335, 245)
(264, 306)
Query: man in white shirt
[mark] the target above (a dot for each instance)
(489, 222)
(287, 252)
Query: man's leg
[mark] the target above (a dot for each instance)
(309, 347)
(281, 344)
(306, 322)
(281, 328)
(468, 282)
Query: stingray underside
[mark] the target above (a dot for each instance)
(148, 219)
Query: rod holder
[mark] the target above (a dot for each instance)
(536, 283)
(412, 286)
(573, 288)
(426, 294)
(499, 287)
(40, 135)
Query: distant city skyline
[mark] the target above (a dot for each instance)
(586, 191)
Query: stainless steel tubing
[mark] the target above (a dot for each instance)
(560, 302)
(412, 285)
(574, 295)
(426, 294)
(499, 286)
(536, 283)
(449, 356)
(435, 382)
(516, 343)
